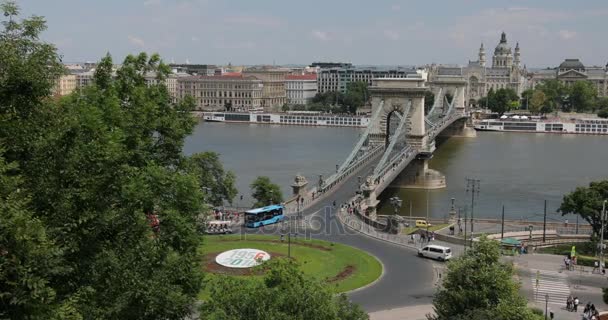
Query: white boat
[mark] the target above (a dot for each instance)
(315, 119)
(579, 126)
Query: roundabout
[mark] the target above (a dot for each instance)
(342, 267)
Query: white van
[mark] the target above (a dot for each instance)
(436, 252)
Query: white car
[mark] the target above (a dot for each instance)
(436, 252)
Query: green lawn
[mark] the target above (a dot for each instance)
(432, 228)
(315, 261)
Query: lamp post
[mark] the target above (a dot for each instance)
(603, 219)
(270, 198)
(473, 187)
(546, 305)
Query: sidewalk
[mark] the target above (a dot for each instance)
(410, 313)
(584, 285)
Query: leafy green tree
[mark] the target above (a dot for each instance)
(285, 108)
(284, 293)
(555, 92)
(603, 113)
(587, 203)
(95, 167)
(356, 96)
(479, 286)
(210, 174)
(582, 96)
(537, 101)
(265, 192)
(526, 99)
(503, 100)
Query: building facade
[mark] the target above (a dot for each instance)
(506, 72)
(233, 93)
(301, 88)
(274, 95)
(65, 85)
(570, 71)
(338, 78)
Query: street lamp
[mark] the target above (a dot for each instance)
(546, 305)
(603, 219)
(270, 198)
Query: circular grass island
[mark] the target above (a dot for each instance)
(342, 267)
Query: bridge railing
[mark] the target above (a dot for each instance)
(335, 179)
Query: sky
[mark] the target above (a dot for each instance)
(246, 32)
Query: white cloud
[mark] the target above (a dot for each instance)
(321, 35)
(195, 39)
(567, 34)
(136, 41)
(391, 34)
(395, 7)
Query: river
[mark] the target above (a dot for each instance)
(518, 170)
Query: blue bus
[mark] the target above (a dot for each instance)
(256, 218)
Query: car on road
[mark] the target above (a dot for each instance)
(435, 252)
(422, 224)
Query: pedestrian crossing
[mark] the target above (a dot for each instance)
(550, 283)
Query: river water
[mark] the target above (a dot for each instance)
(518, 170)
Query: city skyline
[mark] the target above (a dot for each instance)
(388, 33)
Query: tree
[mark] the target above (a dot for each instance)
(537, 101)
(479, 286)
(356, 96)
(603, 113)
(284, 293)
(587, 203)
(210, 174)
(285, 107)
(582, 95)
(554, 92)
(94, 168)
(265, 192)
(526, 99)
(503, 100)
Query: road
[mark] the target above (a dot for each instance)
(407, 279)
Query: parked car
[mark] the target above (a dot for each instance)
(436, 252)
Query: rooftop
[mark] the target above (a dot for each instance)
(309, 76)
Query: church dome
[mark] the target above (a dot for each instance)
(502, 48)
(572, 64)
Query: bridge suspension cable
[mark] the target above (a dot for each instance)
(393, 139)
(364, 137)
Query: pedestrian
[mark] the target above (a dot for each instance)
(576, 301)
(569, 303)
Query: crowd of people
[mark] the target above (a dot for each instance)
(589, 312)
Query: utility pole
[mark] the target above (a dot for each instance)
(465, 230)
(545, 223)
(473, 187)
(502, 223)
(602, 237)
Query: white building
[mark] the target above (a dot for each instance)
(301, 88)
(225, 92)
(337, 78)
(506, 72)
(570, 71)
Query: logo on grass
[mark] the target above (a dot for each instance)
(242, 258)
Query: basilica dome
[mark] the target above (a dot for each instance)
(502, 48)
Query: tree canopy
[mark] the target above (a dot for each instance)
(284, 293)
(88, 173)
(479, 286)
(216, 183)
(587, 203)
(265, 192)
(356, 96)
(501, 101)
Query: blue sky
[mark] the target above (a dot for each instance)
(407, 32)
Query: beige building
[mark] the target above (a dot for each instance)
(274, 95)
(233, 92)
(301, 88)
(65, 85)
(572, 70)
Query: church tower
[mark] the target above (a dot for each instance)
(503, 57)
(482, 56)
(516, 62)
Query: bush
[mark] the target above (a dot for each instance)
(537, 311)
(605, 296)
(603, 113)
